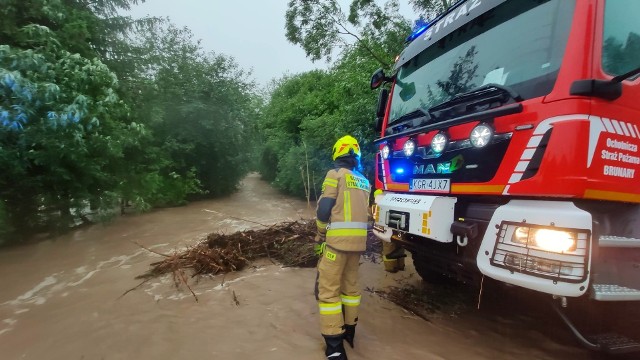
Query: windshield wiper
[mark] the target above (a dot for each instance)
(479, 99)
(626, 76)
(410, 120)
(417, 113)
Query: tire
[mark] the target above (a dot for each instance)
(428, 274)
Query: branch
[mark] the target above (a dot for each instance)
(247, 220)
(362, 43)
(153, 251)
(184, 280)
(133, 288)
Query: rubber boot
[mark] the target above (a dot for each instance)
(335, 348)
(398, 253)
(349, 334)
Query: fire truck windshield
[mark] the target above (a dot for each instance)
(519, 44)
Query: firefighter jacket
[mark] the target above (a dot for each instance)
(342, 212)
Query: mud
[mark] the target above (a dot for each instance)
(60, 300)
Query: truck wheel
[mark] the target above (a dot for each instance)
(427, 273)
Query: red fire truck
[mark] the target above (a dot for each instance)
(510, 148)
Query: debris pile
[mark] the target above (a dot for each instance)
(289, 243)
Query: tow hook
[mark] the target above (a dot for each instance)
(462, 241)
(464, 231)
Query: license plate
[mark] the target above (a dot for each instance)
(436, 185)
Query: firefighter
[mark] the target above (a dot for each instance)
(392, 253)
(342, 219)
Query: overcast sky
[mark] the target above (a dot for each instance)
(252, 31)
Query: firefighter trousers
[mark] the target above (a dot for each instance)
(337, 290)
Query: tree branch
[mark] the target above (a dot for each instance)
(359, 40)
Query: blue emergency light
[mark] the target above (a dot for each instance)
(420, 28)
(421, 25)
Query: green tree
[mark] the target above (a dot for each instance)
(429, 9)
(293, 100)
(96, 107)
(307, 113)
(200, 107)
(321, 27)
(58, 111)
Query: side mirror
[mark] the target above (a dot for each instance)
(603, 89)
(377, 79)
(383, 98)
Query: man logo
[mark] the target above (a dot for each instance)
(446, 167)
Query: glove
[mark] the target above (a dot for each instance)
(318, 248)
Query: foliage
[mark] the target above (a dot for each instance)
(322, 26)
(308, 112)
(200, 108)
(283, 155)
(59, 110)
(97, 109)
(5, 227)
(429, 9)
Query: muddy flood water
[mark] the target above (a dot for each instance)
(60, 299)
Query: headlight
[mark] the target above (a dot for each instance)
(438, 143)
(556, 241)
(554, 253)
(385, 152)
(545, 239)
(409, 147)
(481, 135)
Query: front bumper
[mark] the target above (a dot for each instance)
(422, 215)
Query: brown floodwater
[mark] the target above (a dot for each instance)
(60, 299)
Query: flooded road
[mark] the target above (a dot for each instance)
(60, 300)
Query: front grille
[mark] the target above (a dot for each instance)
(461, 164)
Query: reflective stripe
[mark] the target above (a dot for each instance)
(330, 182)
(350, 300)
(349, 225)
(330, 309)
(384, 258)
(320, 224)
(346, 232)
(347, 206)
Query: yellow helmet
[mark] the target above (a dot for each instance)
(377, 192)
(346, 145)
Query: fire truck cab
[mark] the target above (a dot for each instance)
(510, 148)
